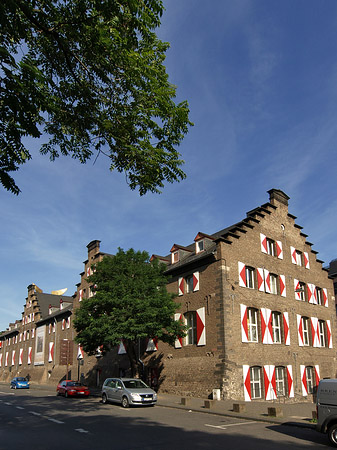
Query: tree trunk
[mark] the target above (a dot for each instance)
(131, 352)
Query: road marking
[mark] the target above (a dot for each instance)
(19, 407)
(224, 427)
(80, 430)
(7, 403)
(54, 420)
(35, 413)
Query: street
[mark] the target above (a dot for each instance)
(38, 419)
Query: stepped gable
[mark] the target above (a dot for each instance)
(230, 234)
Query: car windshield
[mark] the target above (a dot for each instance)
(134, 384)
(21, 379)
(74, 383)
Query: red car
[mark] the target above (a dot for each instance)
(70, 388)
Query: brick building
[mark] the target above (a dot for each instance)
(259, 306)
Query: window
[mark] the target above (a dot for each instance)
(252, 325)
(300, 291)
(273, 284)
(191, 323)
(309, 372)
(250, 277)
(199, 246)
(276, 326)
(280, 383)
(175, 257)
(189, 283)
(319, 296)
(321, 333)
(255, 382)
(270, 247)
(305, 327)
(298, 257)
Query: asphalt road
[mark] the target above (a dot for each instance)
(37, 419)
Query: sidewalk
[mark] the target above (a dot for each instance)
(298, 414)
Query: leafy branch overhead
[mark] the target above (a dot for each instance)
(131, 302)
(90, 76)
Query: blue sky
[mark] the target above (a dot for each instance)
(260, 77)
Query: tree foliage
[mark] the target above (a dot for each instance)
(131, 302)
(90, 75)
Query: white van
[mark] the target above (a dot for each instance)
(326, 405)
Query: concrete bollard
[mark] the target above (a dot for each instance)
(209, 403)
(239, 407)
(185, 401)
(275, 411)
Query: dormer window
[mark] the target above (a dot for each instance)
(175, 257)
(200, 246)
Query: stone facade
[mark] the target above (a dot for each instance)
(259, 306)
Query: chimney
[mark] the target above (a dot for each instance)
(277, 196)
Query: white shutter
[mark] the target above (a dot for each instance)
(260, 279)
(195, 281)
(325, 297)
(306, 260)
(279, 249)
(293, 255)
(269, 382)
(300, 330)
(286, 328)
(181, 286)
(244, 323)
(283, 290)
(246, 383)
(290, 380)
(263, 240)
(328, 332)
(314, 332)
(304, 381)
(267, 281)
(178, 342)
(242, 274)
(201, 327)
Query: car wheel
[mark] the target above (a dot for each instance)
(104, 399)
(125, 402)
(66, 394)
(332, 434)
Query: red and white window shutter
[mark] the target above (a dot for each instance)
(300, 330)
(51, 352)
(325, 297)
(246, 383)
(244, 323)
(121, 348)
(260, 279)
(266, 326)
(20, 356)
(286, 328)
(6, 359)
(181, 286)
(279, 249)
(317, 376)
(263, 240)
(242, 274)
(63, 324)
(201, 326)
(328, 332)
(152, 345)
(195, 281)
(311, 291)
(0, 359)
(267, 281)
(283, 291)
(80, 295)
(179, 341)
(13, 357)
(314, 332)
(68, 322)
(269, 382)
(29, 358)
(304, 381)
(293, 255)
(290, 380)
(306, 260)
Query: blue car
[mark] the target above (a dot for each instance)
(19, 383)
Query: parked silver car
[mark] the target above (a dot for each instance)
(128, 391)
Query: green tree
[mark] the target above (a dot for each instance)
(131, 302)
(89, 75)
